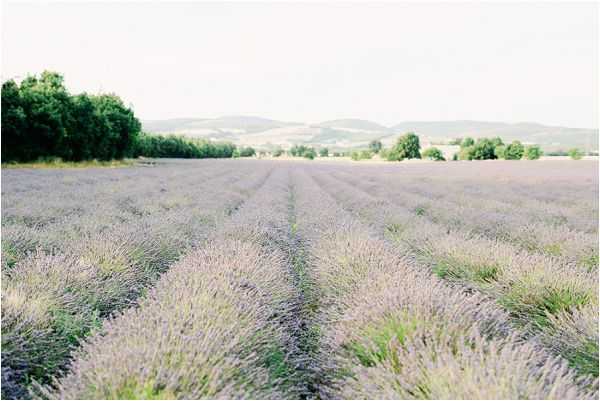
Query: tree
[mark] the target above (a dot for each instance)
(247, 152)
(392, 155)
(433, 153)
(46, 104)
(514, 151)
(277, 152)
(407, 147)
(533, 152)
(324, 152)
(467, 142)
(41, 119)
(483, 150)
(309, 153)
(500, 151)
(123, 127)
(13, 122)
(497, 141)
(375, 146)
(575, 154)
(466, 153)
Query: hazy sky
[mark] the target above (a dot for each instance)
(316, 61)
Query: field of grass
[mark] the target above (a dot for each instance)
(258, 279)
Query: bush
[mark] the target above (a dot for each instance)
(433, 154)
(324, 152)
(277, 152)
(575, 154)
(533, 152)
(361, 155)
(514, 151)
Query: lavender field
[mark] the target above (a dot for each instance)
(258, 279)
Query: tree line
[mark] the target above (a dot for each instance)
(408, 147)
(41, 119)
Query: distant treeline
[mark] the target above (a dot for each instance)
(41, 119)
(177, 146)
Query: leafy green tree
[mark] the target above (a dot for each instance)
(407, 147)
(41, 119)
(247, 152)
(124, 127)
(309, 153)
(466, 152)
(497, 141)
(46, 104)
(375, 146)
(500, 151)
(483, 150)
(392, 155)
(514, 151)
(433, 153)
(575, 154)
(467, 142)
(324, 152)
(533, 152)
(14, 122)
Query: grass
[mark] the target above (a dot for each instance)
(375, 348)
(533, 304)
(59, 163)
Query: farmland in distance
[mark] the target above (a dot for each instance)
(259, 279)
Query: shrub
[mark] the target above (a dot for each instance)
(575, 154)
(361, 155)
(324, 152)
(533, 152)
(433, 154)
(277, 152)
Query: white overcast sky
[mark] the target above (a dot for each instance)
(316, 61)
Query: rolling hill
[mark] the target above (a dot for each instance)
(355, 133)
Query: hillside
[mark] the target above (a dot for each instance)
(354, 124)
(352, 133)
(549, 137)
